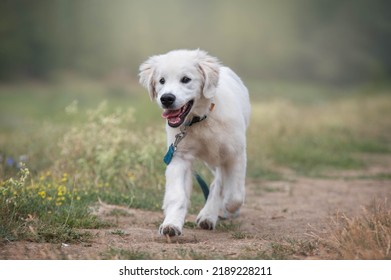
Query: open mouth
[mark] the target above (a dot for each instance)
(176, 117)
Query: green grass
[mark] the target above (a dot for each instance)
(79, 152)
(288, 250)
(44, 211)
(25, 103)
(313, 139)
(240, 235)
(227, 226)
(118, 232)
(122, 254)
(191, 254)
(120, 212)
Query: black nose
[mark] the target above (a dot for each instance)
(167, 99)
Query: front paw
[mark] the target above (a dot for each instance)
(170, 230)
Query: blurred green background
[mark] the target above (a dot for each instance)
(54, 53)
(328, 41)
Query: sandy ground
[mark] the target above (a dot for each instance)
(276, 213)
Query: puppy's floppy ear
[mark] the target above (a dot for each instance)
(147, 70)
(209, 67)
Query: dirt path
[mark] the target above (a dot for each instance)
(279, 220)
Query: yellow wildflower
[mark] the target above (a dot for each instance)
(64, 178)
(131, 176)
(61, 190)
(42, 194)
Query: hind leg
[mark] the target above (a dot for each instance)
(233, 192)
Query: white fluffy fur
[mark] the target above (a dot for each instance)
(219, 141)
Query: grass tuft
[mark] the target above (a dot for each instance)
(367, 237)
(122, 254)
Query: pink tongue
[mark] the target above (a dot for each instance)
(168, 114)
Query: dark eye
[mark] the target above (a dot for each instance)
(162, 81)
(185, 80)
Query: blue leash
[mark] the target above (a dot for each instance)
(203, 185)
(172, 148)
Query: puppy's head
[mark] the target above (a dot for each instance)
(180, 81)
